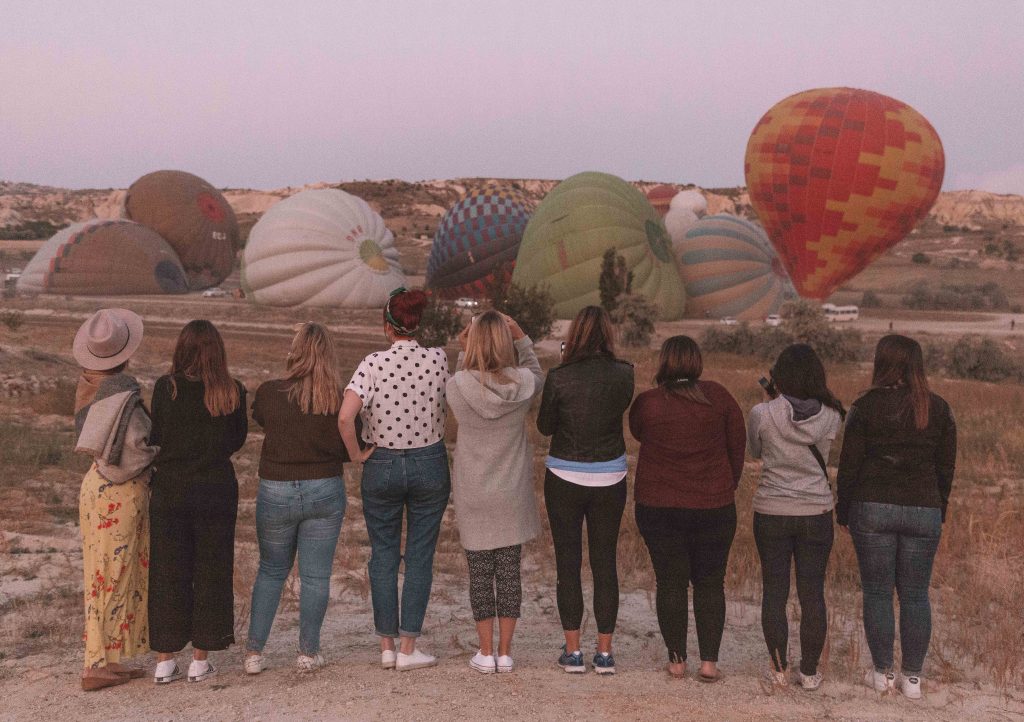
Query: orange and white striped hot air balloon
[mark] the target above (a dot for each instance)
(837, 177)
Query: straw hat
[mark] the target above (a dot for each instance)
(107, 339)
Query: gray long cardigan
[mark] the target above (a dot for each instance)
(492, 474)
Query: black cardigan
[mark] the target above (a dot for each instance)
(886, 459)
(193, 443)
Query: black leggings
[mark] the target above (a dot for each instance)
(689, 545)
(495, 588)
(601, 506)
(807, 540)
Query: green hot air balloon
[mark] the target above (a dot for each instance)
(581, 218)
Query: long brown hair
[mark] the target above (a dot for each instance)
(313, 371)
(199, 355)
(489, 347)
(798, 372)
(680, 367)
(590, 334)
(899, 361)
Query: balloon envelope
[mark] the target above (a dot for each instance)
(321, 247)
(192, 216)
(98, 258)
(838, 176)
(730, 269)
(660, 196)
(478, 237)
(581, 218)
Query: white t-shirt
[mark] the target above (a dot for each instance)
(402, 390)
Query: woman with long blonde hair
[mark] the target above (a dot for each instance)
(199, 421)
(497, 378)
(301, 499)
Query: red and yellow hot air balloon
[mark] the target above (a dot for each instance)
(837, 177)
(661, 196)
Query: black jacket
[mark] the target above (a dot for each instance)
(582, 408)
(886, 459)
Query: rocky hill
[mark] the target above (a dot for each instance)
(33, 211)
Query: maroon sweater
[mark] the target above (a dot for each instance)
(691, 454)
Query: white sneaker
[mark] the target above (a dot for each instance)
(416, 660)
(910, 687)
(809, 682)
(253, 663)
(879, 681)
(483, 663)
(388, 657)
(199, 670)
(167, 672)
(505, 663)
(305, 663)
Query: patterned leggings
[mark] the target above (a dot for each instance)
(495, 589)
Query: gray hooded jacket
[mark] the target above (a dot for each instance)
(792, 483)
(492, 473)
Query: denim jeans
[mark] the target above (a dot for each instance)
(303, 517)
(895, 549)
(415, 483)
(783, 541)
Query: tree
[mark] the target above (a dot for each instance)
(616, 279)
(439, 323)
(634, 315)
(532, 307)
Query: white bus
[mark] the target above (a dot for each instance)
(838, 314)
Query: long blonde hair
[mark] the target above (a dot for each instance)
(199, 354)
(489, 347)
(313, 371)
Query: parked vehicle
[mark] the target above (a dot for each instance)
(840, 314)
(215, 293)
(470, 303)
(729, 321)
(773, 320)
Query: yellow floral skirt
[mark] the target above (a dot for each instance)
(115, 557)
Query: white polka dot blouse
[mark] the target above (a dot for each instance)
(402, 390)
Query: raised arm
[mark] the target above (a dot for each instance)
(528, 360)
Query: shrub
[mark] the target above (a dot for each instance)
(533, 307)
(634, 316)
(958, 297)
(439, 324)
(921, 258)
(13, 319)
(982, 359)
(870, 299)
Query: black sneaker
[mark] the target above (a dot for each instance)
(604, 663)
(572, 663)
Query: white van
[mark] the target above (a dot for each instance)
(840, 314)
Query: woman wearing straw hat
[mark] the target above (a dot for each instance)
(113, 426)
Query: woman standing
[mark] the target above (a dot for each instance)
(581, 409)
(691, 457)
(490, 395)
(399, 394)
(793, 433)
(895, 476)
(199, 421)
(112, 426)
(301, 500)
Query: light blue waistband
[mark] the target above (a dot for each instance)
(590, 467)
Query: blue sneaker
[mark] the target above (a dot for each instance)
(572, 663)
(604, 663)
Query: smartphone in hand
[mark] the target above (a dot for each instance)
(769, 387)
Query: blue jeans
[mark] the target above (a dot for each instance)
(303, 517)
(895, 549)
(415, 482)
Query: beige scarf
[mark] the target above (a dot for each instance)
(88, 384)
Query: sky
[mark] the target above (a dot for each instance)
(262, 95)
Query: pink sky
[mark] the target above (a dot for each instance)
(259, 95)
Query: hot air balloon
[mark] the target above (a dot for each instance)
(103, 257)
(730, 269)
(660, 196)
(191, 215)
(478, 237)
(581, 218)
(838, 176)
(321, 247)
(684, 211)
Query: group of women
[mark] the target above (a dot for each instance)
(158, 506)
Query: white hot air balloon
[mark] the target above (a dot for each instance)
(685, 209)
(321, 247)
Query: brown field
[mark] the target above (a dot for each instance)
(973, 669)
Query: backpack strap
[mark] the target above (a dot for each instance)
(821, 461)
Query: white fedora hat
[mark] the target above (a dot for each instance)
(107, 339)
